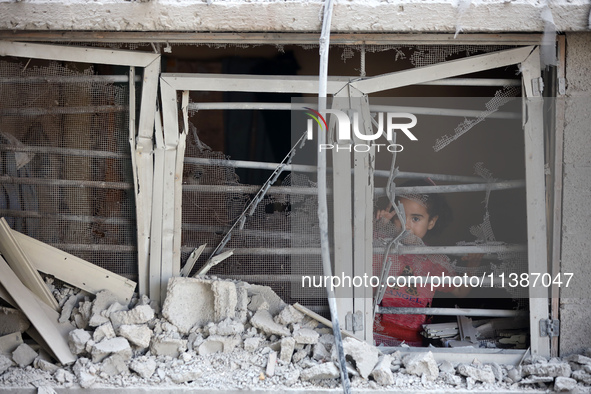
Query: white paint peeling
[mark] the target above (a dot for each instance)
(410, 16)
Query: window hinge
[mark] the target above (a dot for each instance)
(537, 86)
(561, 86)
(549, 327)
(354, 321)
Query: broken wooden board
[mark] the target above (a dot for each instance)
(48, 327)
(21, 265)
(75, 271)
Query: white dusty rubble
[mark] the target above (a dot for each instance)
(230, 335)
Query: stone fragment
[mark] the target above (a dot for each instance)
(12, 320)
(299, 356)
(104, 331)
(263, 320)
(271, 362)
(97, 320)
(45, 390)
(86, 380)
(5, 363)
(421, 364)
(167, 346)
(533, 379)
(548, 369)
(103, 300)
(117, 345)
(514, 374)
(114, 365)
(483, 374)
(189, 302)
(63, 376)
(139, 315)
(305, 336)
(327, 340)
(446, 367)
(9, 343)
(580, 359)
(289, 315)
(77, 340)
(562, 383)
(85, 311)
(582, 376)
(497, 371)
(143, 366)
(287, 348)
(263, 297)
(365, 356)
(225, 299)
(320, 353)
(23, 355)
(452, 379)
(217, 343)
(115, 307)
(227, 327)
(382, 373)
(45, 365)
(241, 303)
(321, 371)
(138, 335)
(184, 376)
(251, 344)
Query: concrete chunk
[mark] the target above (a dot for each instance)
(184, 376)
(217, 343)
(548, 369)
(382, 373)
(320, 353)
(103, 349)
(251, 344)
(482, 374)
(580, 359)
(166, 346)
(365, 356)
(24, 355)
(320, 372)
(143, 366)
(114, 365)
(103, 300)
(189, 302)
(225, 299)
(104, 331)
(137, 335)
(9, 343)
(287, 348)
(306, 336)
(139, 315)
(77, 340)
(289, 315)
(263, 297)
(564, 384)
(5, 363)
(12, 320)
(45, 365)
(263, 320)
(227, 327)
(423, 364)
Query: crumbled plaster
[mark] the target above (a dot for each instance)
(292, 16)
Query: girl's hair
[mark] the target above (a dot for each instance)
(436, 205)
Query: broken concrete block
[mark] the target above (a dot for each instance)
(582, 376)
(481, 374)
(306, 336)
(114, 365)
(137, 335)
(217, 343)
(287, 348)
(143, 366)
(12, 320)
(62, 376)
(139, 315)
(167, 346)
(117, 345)
(189, 302)
(452, 379)
(104, 331)
(322, 371)
(382, 373)
(263, 320)
(261, 295)
(5, 363)
(548, 369)
(227, 327)
(251, 344)
(289, 315)
(184, 376)
(103, 300)
(299, 355)
(97, 320)
(365, 356)
(320, 353)
(564, 384)
(115, 307)
(241, 302)
(422, 364)
(23, 355)
(514, 374)
(580, 359)
(86, 380)
(45, 365)
(77, 340)
(446, 367)
(9, 343)
(225, 299)
(45, 390)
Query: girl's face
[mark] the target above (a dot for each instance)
(418, 221)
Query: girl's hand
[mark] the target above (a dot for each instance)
(385, 214)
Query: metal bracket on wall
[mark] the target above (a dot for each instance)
(549, 327)
(354, 321)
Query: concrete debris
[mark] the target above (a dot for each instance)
(564, 384)
(322, 371)
(300, 355)
(67, 308)
(270, 370)
(263, 320)
(482, 373)
(446, 367)
(12, 320)
(138, 335)
(306, 336)
(45, 365)
(287, 349)
(5, 363)
(582, 376)
(163, 345)
(24, 355)
(104, 331)
(263, 297)
(114, 365)
(363, 355)
(139, 315)
(106, 347)
(289, 315)
(86, 380)
(225, 299)
(9, 343)
(251, 344)
(422, 364)
(580, 359)
(46, 390)
(382, 373)
(320, 352)
(227, 327)
(218, 343)
(77, 340)
(143, 366)
(184, 376)
(103, 300)
(547, 369)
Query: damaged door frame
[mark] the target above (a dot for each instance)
(140, 134)
(362, 251)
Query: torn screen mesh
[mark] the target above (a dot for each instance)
(65, 163)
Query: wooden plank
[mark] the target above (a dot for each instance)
(37, 314)
(536, 202)
(21, 265)
(178, 187)
(442, 70)
(73, 270)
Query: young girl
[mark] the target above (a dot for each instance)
(425, 214)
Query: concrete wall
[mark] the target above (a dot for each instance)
(575, 308)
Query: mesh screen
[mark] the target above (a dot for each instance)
(65, 163)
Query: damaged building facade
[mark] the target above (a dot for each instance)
(155, 198)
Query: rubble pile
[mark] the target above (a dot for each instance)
(227, 334)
